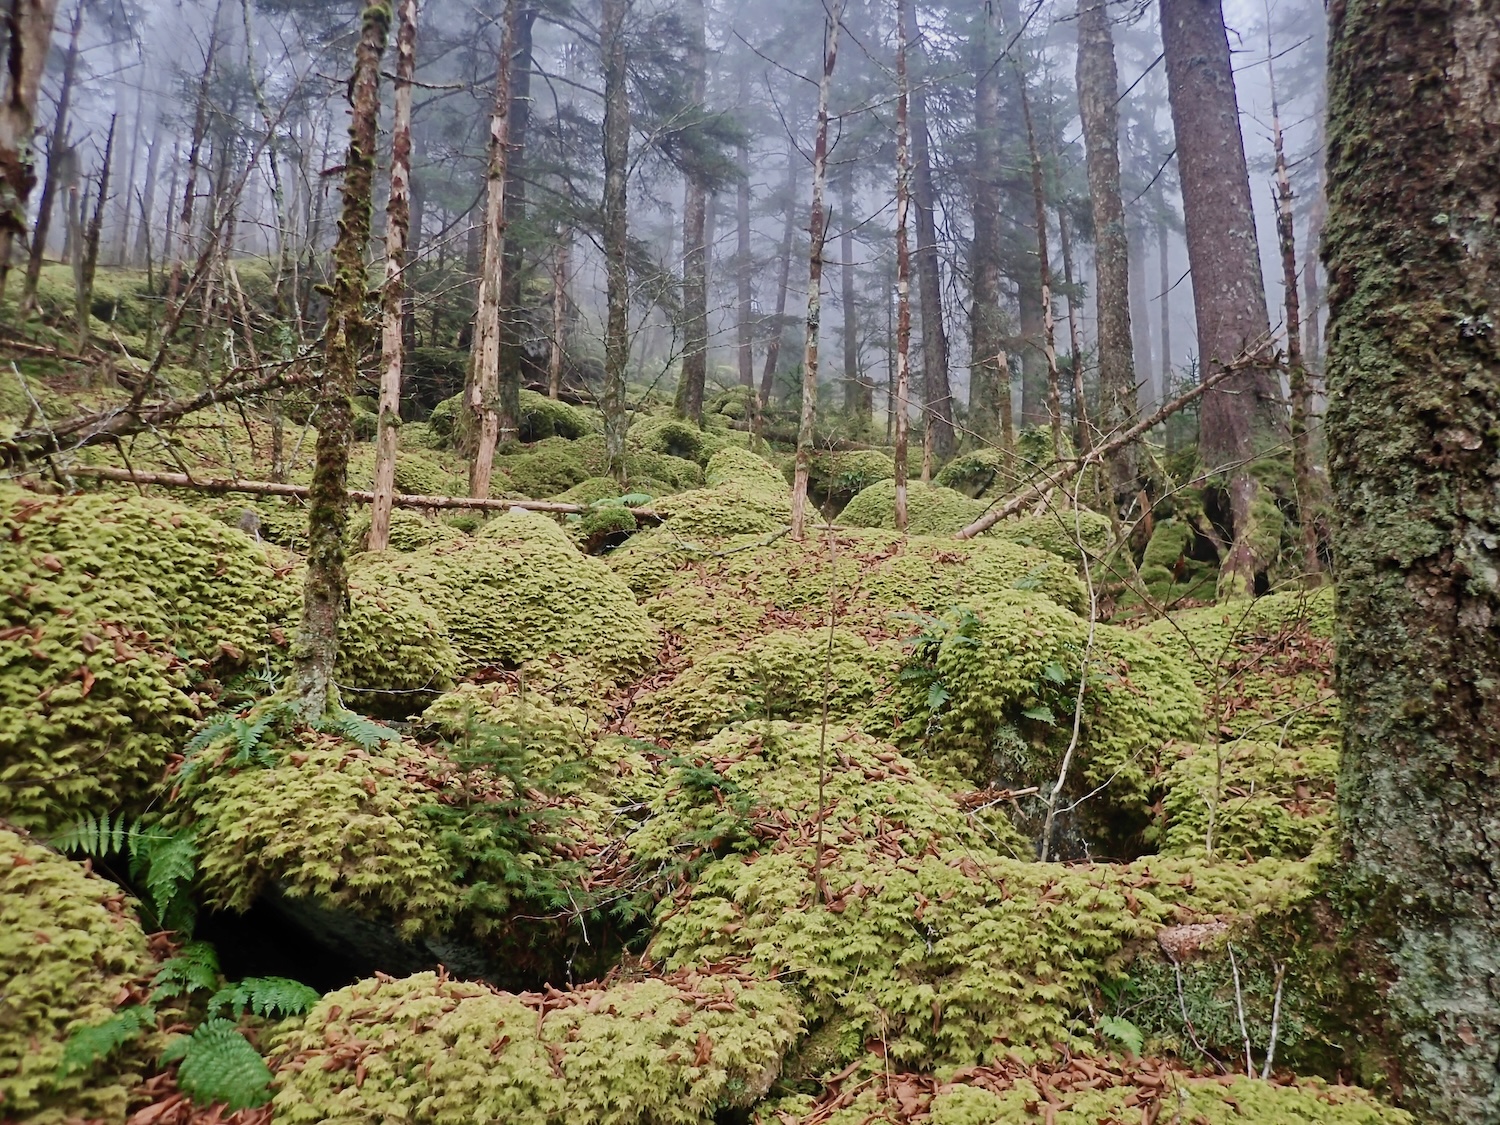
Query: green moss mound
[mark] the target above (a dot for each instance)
(71, 955)
(394, 650)
(735, 508)
(419, 472)
(409, 531)
(518, 591)
(779, 675)
(1062, 532)
(542, 417)
(674, 437)
(836, 477)
(1168, 569)
(1086, 1093)
(979, 473)
(924, 937)
(438, 1052)
(327, 821)
(733, 465)
(931, 509)
(546, 469)
(125, 615)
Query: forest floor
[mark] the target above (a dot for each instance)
(676, 823)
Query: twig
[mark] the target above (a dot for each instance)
(1239, 1008)
(1265, 1071)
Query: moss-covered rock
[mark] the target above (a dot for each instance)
(542, 417)
(71, 955)
(519, 590)
(394, 651)
(419, 472)
(327, 821)
(433, 1051)
(733, 465)
(931, 509)
(835, 478)
(665, 434)
(124, 615)
(1061, 531)
(1168, 568)
(409, 531)
(979, 473)
(547, 468)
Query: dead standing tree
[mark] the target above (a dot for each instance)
(29, 30)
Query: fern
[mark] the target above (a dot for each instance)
(89, 1046)
(97, 836)
(195, 968)
(167, 863)
(356, 728)
(220, 1065)
(248, 730)
(265, 996)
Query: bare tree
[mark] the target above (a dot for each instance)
(86, 261)
(28, 27)
(903, 265)
(616, 232)
(59, 154)
(393, 292)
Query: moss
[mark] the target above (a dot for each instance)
(519, 590)
(724, 511)
(780, 675)
(1060, 531)
(740, 466)
(542, 417)
(433, 1051)
(546, 469)
(443, 419)
(409, 531)
(71, 954)
(1168, 568)
(604, 523)
(329, 822)
(123, 615)
(930, 509)
(926, 941)
(835, 478)
(393, 650)
(591, 491)
(981, 473)
(419, 472)
(674, 437)
(732, 402)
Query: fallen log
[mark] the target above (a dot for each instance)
(359, 496)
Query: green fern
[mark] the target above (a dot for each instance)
(195, 968)
(167, 863)
(356, 728)
(248, 730)
(97, 836)
(220, 1065)
(265, 996)
(89, 1046)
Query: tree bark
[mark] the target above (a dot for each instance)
(327, 585)
(57, 146)
(817, 235)
(556, 344)
(859, 398)
(1044, 274)
(513, 314)
(744, 264)
(393, 292)
(989, 386)
(1164, 277)
(1414, 394)
(616, 233)
(694, 250)
(784, 278)
(1075, 335)
(1241, 417)
(903, 267)
(1098, 93)
(28, 27)
(88, 255)
(484, 375)
(937, 391)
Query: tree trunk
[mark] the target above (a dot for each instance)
(784, 278)
(327, 585)
(57, 145)
(393, 292)
(1164, 277)
(1044, 274)
(121, 248)
(616, 233)
(147, 201)
(989, 386)
(817, 234)
(556, 344)
(184, 242)
(1241, 416)
(1075, 336)
(859, 399)
(484, 353)
(1414, 394)
(903, 267)
(1308, 492)
(1143, 362)
(1098, 92)
(694, 250)
(744, 264)
(29, 40)
(1312, 299)
(513, 314)
(88, 253)
(937, 392)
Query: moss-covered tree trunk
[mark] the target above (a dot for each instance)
(989, 379)
(616, 233)
(1414, 429)
(690, 384)
(327, 584)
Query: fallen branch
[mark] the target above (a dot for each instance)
(1064, 473)
(300, 491)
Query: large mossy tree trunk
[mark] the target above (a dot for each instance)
(58, 154)
(694, 375)
(1241, 416)
(327, 584)
(1414, 431)
(616, 232)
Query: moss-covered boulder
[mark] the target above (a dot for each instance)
(979, 473)
(71, 955)
(433, 1051)
(517, 591)
(1064, 531)
(931, 509)
(734, 465)
(124, 616)
(672, 436)
(547, 468)
(409, 530)
(543, 417)
(835, 478)
(1168, 568)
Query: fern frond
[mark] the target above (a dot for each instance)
(265, 996)
(195, 968)
(167, 863)
(89, 1046)
(96, 836)
(356, 728)
(220, 1065)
